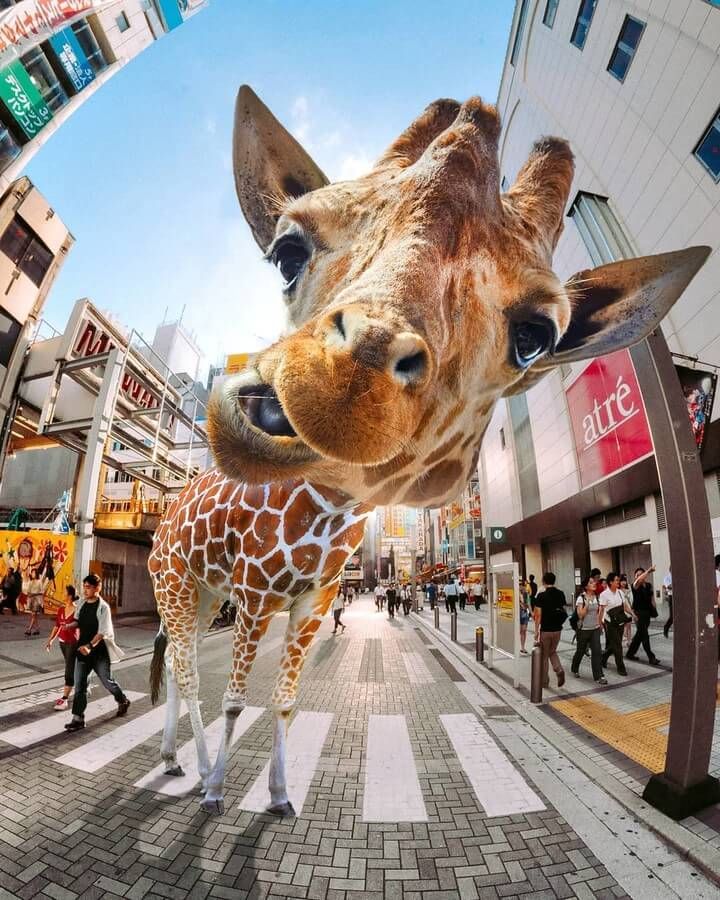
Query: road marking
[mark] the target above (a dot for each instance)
(392, 788)
(54, 724)
(104, 749)
(10, 707)
(417, 671)
(499, 787)
(156, 779)
(305, 741)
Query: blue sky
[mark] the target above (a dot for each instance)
(142, 176)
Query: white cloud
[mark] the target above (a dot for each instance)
(353, 165)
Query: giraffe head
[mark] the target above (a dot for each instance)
(417, 296)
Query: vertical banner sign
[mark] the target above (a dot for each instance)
(170, 10)
(699, 389)
(608, 417)
(23, 99)
(72, 58)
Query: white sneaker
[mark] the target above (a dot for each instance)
(60, 704)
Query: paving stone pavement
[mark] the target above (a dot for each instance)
(66, 833)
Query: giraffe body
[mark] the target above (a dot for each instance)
(268, 548)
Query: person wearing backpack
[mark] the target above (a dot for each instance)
(589, 626)
(550, 614)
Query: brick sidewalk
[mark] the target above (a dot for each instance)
(65, 833)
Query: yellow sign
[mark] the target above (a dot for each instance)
(40, 551)
(506, 603)
(236, 362)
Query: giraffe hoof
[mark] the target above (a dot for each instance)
(284, 810)
(214, 807)
(175, 771)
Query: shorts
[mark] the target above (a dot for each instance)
(35, 603)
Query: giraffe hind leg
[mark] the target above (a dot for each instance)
(168, 749)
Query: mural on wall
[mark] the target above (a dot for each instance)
(30, 551)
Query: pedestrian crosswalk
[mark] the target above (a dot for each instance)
(392, 787)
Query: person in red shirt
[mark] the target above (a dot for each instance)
(66, 631)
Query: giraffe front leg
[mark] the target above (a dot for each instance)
(250, 626)
(305, 619)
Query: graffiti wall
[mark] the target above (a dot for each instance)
(51, 554)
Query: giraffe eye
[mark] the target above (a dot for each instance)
(290, 257)
(531, 340)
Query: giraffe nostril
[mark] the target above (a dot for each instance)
(263, 409)
(412, 368)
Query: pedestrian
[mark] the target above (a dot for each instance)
(627, 595)
(66, 632)
(406, 599)
(588, 631)
(379, 594)
(337, 610)
(462, 595)
(432, 594)
(351, 595)
(476, 593)
(35, 601)
(668, 596)
(533, 587)
(524, 619)
(96, 648)
(391, 597)
(550, 614)
(615, 613)
(643, 606)
(11, 590)
(451, 595)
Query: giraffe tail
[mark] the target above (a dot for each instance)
(157, 665)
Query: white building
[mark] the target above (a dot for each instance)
(635, 88)
(51, 67)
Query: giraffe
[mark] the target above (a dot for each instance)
(418, 295)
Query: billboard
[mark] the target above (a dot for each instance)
(27, 551)
(608, 417)
(23, 99)
(698, 387)
(72, 58)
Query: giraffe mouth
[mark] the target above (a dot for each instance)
(262, 408)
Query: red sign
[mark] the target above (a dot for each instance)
(34, 20)
(608, 417)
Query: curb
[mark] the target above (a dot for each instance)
(687, 844)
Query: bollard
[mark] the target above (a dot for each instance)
(536, 685)
(453, 627)
(480, 644)
(437, 616)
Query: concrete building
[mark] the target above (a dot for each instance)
(635, 88)
(54, 56)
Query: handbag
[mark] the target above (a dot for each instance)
(618, 616)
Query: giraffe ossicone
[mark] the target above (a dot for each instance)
(418, 296)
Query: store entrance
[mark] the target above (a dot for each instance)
(631, 557)
(558, 557)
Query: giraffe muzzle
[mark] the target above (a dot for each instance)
(264, 411)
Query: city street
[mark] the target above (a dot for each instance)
(410, 778)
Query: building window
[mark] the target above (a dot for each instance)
(524, 454)
(504, 184)
(582, 23)
(625, 48)
(9, 148)
(122, 22)
(502, 439)
(600, 230)
(44, 78)
(9, 334)
(708, 150)
(90, 46)
(550, 11)
(26, 251)
(519, 32)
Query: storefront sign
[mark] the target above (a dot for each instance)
(31, 21)
(72, 58)
(23, 99)
(699, 390)
(608, 417)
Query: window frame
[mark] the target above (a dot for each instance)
(517, 41)
(714, 124)
(626, 47)
(122, 17)
(574, 32)
(551, 8)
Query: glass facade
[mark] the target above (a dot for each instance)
(28, 253)
(90, 46)
(519, 32)
(550, 12)
(625, 48)
(44, 78)
(9, 148)
(708, 150)
(582, 23)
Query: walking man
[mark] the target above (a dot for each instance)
(643, 607)
(391, 597)
(549, 614)
(432, 594)
(615, 613)
(451, 595)
(96, 648)
(667, 588)
(477, 594)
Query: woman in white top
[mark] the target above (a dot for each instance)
(615, 613)
(590, 620)
(36, 599)
(337, 609)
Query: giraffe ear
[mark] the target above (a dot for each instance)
(270, 165)
(617, 305)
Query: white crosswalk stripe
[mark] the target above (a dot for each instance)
(99, 752)
(18, 704)
(499, 787)
(418, 672)
(392, 788)
(305, 741)
(156, 780)
(54, 723)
